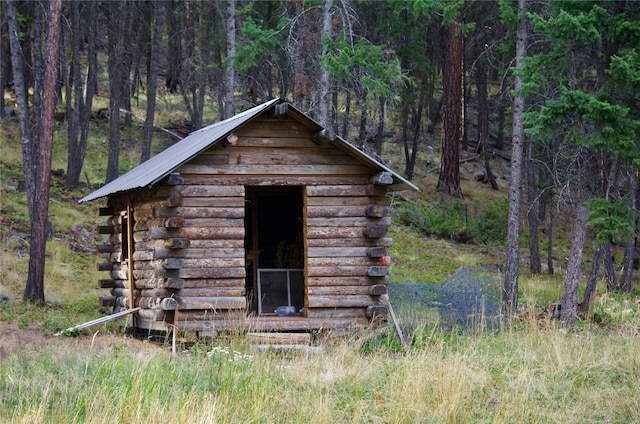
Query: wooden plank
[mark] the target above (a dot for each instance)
(335, 211)
(205, 191)
(217, 244)
(273, 180)
(185, 302)
(348, 222)
(212, 202)
(286, 157)
(232, 283)
(336, 313)
(347, 201)
(170, 222)
(199, 253)
(339, 290)
(229, 262)
(177, 243)
(337, 190)
(278, 169)
(339, 301)
(331, 252)
(334, 232)
(341, 261)
(167, 282)
(274, 132)
(292, 141)
(215, 222)
(213, 292)
(222, 322)
(334, 271)
(171, 201)
(98, 321)
(354, 280)
(349, 242)
(195, 233)
(152, 314)
(212, 273)
(211, 211)
(376, 190)
(280, 338)
(166, 304)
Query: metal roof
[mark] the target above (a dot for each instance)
(159, 166)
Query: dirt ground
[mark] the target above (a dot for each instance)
(16, 339)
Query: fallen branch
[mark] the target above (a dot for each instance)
(97, 321)
(173, 134)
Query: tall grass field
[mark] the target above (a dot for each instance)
(539, 374)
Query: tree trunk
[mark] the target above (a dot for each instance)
(511, 274)
(77, 120)
(626, 279)
(535, 265)
(550, 240)
(37, 130)
(117, 68)
(380, 131)
(569, 312)
(592, 282)
(449, 179)
(152, 82)
(483, 122)
(174, 44)
(229, 109)
(323, 92)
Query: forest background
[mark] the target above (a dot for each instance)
(554, 84)
(518, 121)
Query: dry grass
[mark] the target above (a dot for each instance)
(541, 374)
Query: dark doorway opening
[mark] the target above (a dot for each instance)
(275, 250)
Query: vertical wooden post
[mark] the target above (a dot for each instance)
(174, 344)
(130, 256)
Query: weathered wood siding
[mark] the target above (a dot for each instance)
(189, 233)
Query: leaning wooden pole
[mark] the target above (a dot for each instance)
(97, 321)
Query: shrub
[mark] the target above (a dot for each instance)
(457, 222)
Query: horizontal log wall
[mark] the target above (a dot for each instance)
(189, 232)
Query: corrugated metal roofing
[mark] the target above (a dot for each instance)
(159, 166)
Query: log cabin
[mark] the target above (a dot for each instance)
(262, 222)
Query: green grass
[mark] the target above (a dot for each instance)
(542, 375)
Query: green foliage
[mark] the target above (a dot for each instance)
(612, 221)
(454, 221)
(256, 43)
(373, 68)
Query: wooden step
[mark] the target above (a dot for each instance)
(301, 348)
(301, 339)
